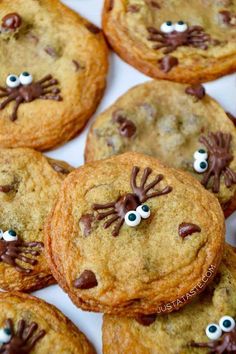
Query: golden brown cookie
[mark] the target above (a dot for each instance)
(125, 236)
(29, 325)
(176, 40)
(172, 122)
(53, 72)
(29, 184)
(208, 319)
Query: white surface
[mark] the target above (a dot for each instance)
(121, 78)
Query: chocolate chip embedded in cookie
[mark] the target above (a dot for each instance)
(28, 187)
(181, 41)
(29, 325)
(212, 317)
(49, 86)
(178, 124)
(137, 241)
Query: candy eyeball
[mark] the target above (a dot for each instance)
(181, 26)
(144, 211)
(227, 323)
(200, 166)
(132, 218)
(5, 335)
(12, 81)
(25, 78)
(213, 331)
(201, 155)
(167, 27)
(10, 235)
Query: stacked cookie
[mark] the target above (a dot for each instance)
(138, 232)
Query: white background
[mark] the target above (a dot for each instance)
(121, 78)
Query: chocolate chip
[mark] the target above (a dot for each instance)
(186, 229)
(118, 117)
(86, 221)
(196, 90)
(167, 63)
(155, 4)
(87, 280)
(110, 5)
(7, 188)
(127, 128)
(59, 168)
(92, 28)
(50, 51)
(11, 21)
(231, 117)
(146, 320)
(133, 8)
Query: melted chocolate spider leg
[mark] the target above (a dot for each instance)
(29, 331)
(3, 94)
(19, 100)
(26, 259)
(104, 215)
(10, 261)
(51, 97)
(8, 100)
(20, 328)
(117, 228)
(45, 78)
(111, 221)
(209, 345)
(216, 183)
(157, 180)
(104, 206)
(50, 83)
(9, 324)
(134, 174)
(3, 89)
(35, 339)
(166, 190)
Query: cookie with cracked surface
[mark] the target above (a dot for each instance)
(182, 331)
(29, 325)
(49, 86)
(29, 184)
(172, 122)
(174, 40)
(124, 233)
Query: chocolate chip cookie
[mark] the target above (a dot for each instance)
(126, 238)
(207, 325)
(178, 124)
(49, 85)
(178, 40)
(29, 184)
(29, 325)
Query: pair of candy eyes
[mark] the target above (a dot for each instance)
(169, 27)
(200, 164)
(214, 331)
(133, 217)
(9, 235)
(13, 81)
(5, 335)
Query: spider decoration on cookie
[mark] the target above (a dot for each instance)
(215, 161)
(222, 336)
(130, 208)
(174, 35)
(22, 89)
(21, 341)
(13, 250)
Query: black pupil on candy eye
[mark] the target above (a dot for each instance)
(181, 23)
(12, 232)
(7, 331)
(169, 23)
(201, 151)
(132, 217)
(25, 73)
(145, 208)
(227, 323)
(13, 78)
(212, 329)
(203, 164)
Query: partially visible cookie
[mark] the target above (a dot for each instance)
(183, 331)
(29, 184)
(177, 40)
(53, 73)
(172, 122)
(29, 325)
(126, 238)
